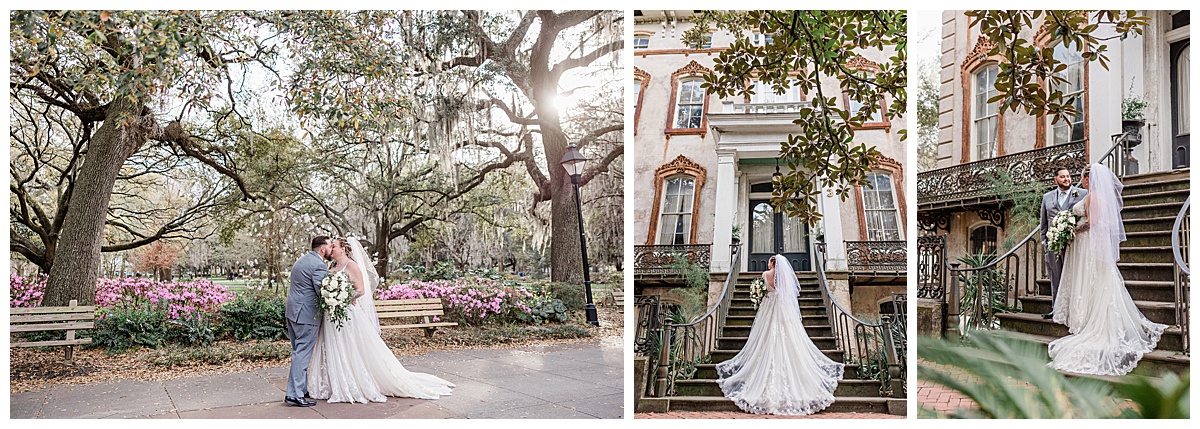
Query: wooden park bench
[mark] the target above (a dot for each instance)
(53, 319)
(619, 299)
(406, 308)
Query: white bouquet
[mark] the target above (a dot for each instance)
(758, 289)
(1061, 231)
(336, 294)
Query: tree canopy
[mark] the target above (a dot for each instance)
(808, 49)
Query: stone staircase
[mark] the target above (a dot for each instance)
(1151, 203)
(852, 395)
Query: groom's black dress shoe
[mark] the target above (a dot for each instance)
(298, 402)
(1048, 316)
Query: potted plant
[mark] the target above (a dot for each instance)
(1133, 118)
(737, 234)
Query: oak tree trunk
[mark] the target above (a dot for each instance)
(77, 258)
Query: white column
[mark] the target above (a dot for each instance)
(831, 215)
(726, 209)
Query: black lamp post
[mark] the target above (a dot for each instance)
(572, 161)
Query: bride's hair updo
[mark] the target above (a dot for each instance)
(345, 245)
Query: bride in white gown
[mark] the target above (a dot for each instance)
(1108, 333)
(353, 364)
(779, 370)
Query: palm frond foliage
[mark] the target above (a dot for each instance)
(1009, 378)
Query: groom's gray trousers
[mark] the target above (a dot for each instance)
(1055, 266)
(304, 339)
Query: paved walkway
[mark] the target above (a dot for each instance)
(577, 380)
(936, 397)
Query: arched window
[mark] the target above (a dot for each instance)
(983, 240)
(985, 117)
(880, 207)
(689, 106)
(675, 222)
(677, 186)
(689, 100)
(1069, 128)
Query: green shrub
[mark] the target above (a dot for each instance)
(571, 295)
(192, 330)
(548, 311)
(120, 329)
(247, 317)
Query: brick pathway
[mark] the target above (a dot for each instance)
(737, 415)
(937, 397)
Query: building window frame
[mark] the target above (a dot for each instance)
(976, 60)
(681, 166)
(995, 239)
(893, 169)
(641, 81)
(693, 71)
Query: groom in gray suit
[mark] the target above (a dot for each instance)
(1061, 198)
(304, 317)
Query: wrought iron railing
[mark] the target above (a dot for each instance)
(685, 345)
(866, 256)
(931, 267)
(995, 285)
(659, 258)
(899, 329)
(1180, 243)
(870, 345)
(648, 334)
(976, 180)
(1119, 156)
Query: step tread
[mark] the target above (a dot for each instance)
(747, 338)
(714, 381)
(1154, 205)
(1156, 354)
(1031, 317)
(1157, 193)
(721, 399)
(1140, 304)
(713, 365)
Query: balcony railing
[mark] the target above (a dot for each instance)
(931, 267)
(786, 107)
(658, 259)
(976, 180)
(876, 256)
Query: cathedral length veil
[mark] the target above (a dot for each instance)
(1108, 334)
(370, 282)
(780, 370)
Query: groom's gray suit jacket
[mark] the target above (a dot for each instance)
(305, 289)
(1049, 209)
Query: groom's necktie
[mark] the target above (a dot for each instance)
(1062, 198)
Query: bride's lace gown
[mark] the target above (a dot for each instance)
(780, 370)
(353, 364)
(1109, 334)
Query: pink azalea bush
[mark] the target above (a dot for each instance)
(179, 299)
(468, 301)
(26, 291)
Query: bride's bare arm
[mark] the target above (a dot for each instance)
(1083, 224)
(355, 278)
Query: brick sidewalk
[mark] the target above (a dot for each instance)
(937, 397)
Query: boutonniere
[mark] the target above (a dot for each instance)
(1075, 193)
